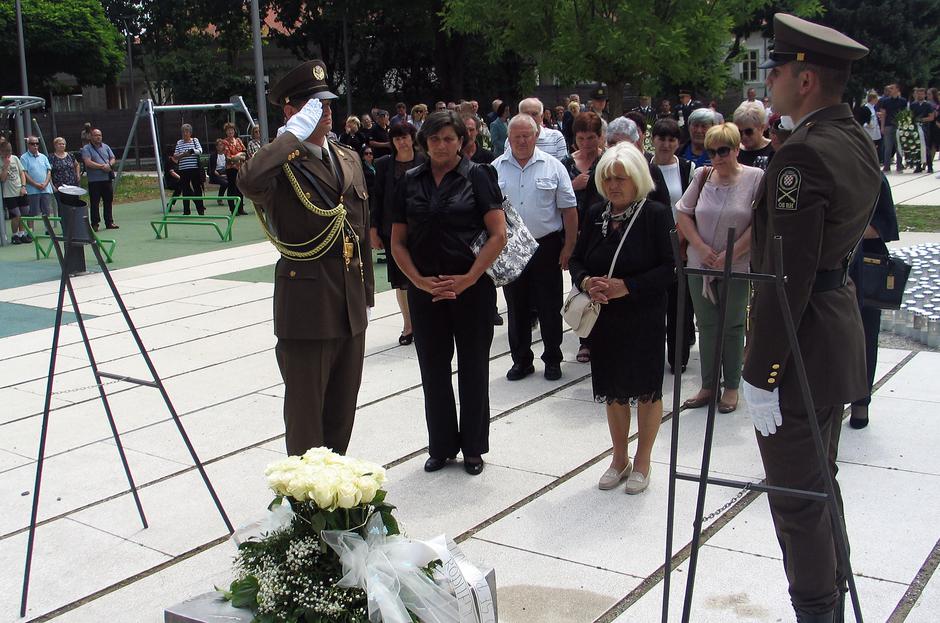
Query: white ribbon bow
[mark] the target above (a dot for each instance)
(391, 571)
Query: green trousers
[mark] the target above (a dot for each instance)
(706, 316)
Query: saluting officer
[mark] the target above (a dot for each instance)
(818, 195)
(311, 196)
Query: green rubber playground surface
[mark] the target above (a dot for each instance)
(136, 243)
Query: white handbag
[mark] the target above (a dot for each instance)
(579, 311)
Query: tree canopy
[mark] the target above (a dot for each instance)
(903, 37)
(69, 36)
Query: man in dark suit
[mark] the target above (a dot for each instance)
(311, 195)
(818, 195)
(686, 105)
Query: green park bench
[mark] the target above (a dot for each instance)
(161, 226)
(42, 242)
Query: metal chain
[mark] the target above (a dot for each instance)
(740, 494)
(78, 389)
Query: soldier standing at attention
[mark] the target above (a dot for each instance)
(310, 194)
(818, 195)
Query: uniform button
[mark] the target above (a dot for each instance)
(771, 381)
(774, 373)
(776, 366)
(293, 274)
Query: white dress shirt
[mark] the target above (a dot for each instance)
(539, 191)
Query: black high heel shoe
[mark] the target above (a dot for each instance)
(406, 340)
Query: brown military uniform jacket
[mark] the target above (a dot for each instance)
(323, 298)
(818, 194)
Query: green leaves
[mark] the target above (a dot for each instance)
(243, 593)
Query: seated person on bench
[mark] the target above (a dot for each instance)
(217, 168)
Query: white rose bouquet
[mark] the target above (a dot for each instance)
(290, 575)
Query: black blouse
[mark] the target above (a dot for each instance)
(645, 262)
(444, 220)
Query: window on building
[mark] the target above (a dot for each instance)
(749, 69)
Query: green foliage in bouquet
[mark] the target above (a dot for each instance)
(289, 574)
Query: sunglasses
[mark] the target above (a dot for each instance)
(721, 151)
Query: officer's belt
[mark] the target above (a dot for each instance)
(830, 280)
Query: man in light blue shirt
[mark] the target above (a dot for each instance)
(38, 178)
(539, 188)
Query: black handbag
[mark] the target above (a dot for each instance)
(884, 278)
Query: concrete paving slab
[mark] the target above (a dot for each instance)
(60, 571)
(20, 401)
(400, 419)
(874, 498)
(733, 586)
(452, 501)
(887, 440)
(532, 587)
(918, 381)
(40, 341)
(928, 604)
(9, 460)
(75, 479)
(606, 529)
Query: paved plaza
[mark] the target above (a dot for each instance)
(563, 550)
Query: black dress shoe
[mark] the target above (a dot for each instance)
(433, 464)
(497, 319)
(473, 465)
(518, 371)
(552, 371)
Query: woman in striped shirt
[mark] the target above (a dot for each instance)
(186, 156)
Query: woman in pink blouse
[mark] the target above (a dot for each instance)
(719, 197)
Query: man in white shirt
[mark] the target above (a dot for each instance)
(539, 188)
(550, 141)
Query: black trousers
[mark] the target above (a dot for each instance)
(871, 322)
(191, 186)
(321, 384)
(671, 325)
(101, 192)
(233, 190)
(539, 287)
(803, 527)
(221, 180)
(466, 322)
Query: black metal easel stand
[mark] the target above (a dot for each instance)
(65, 284)
(702, 478)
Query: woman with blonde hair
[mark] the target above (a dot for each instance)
(627, 342)
(719, 197)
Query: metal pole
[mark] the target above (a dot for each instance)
(132, 96)
(22, 126)
(346, 61)
(158, 153)
(259, 70)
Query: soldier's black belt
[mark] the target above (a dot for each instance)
(830, 280)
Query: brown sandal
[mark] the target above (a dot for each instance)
(584, 355)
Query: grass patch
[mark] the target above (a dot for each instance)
(919, 218)
(133, 188)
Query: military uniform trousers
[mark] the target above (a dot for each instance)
(321, 383)
(803, 527)
(466, 322)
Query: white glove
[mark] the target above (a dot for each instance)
(764, 407)
(281, 130)
(304, 121)
(369, 314)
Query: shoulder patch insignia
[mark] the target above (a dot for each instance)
(788, 188)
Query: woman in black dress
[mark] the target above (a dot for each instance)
(588, 131)
(440, 208)
(388, 172)
(627, 343)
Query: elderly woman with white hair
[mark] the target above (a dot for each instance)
(700, 121)
(627, 342)
(756, 150)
